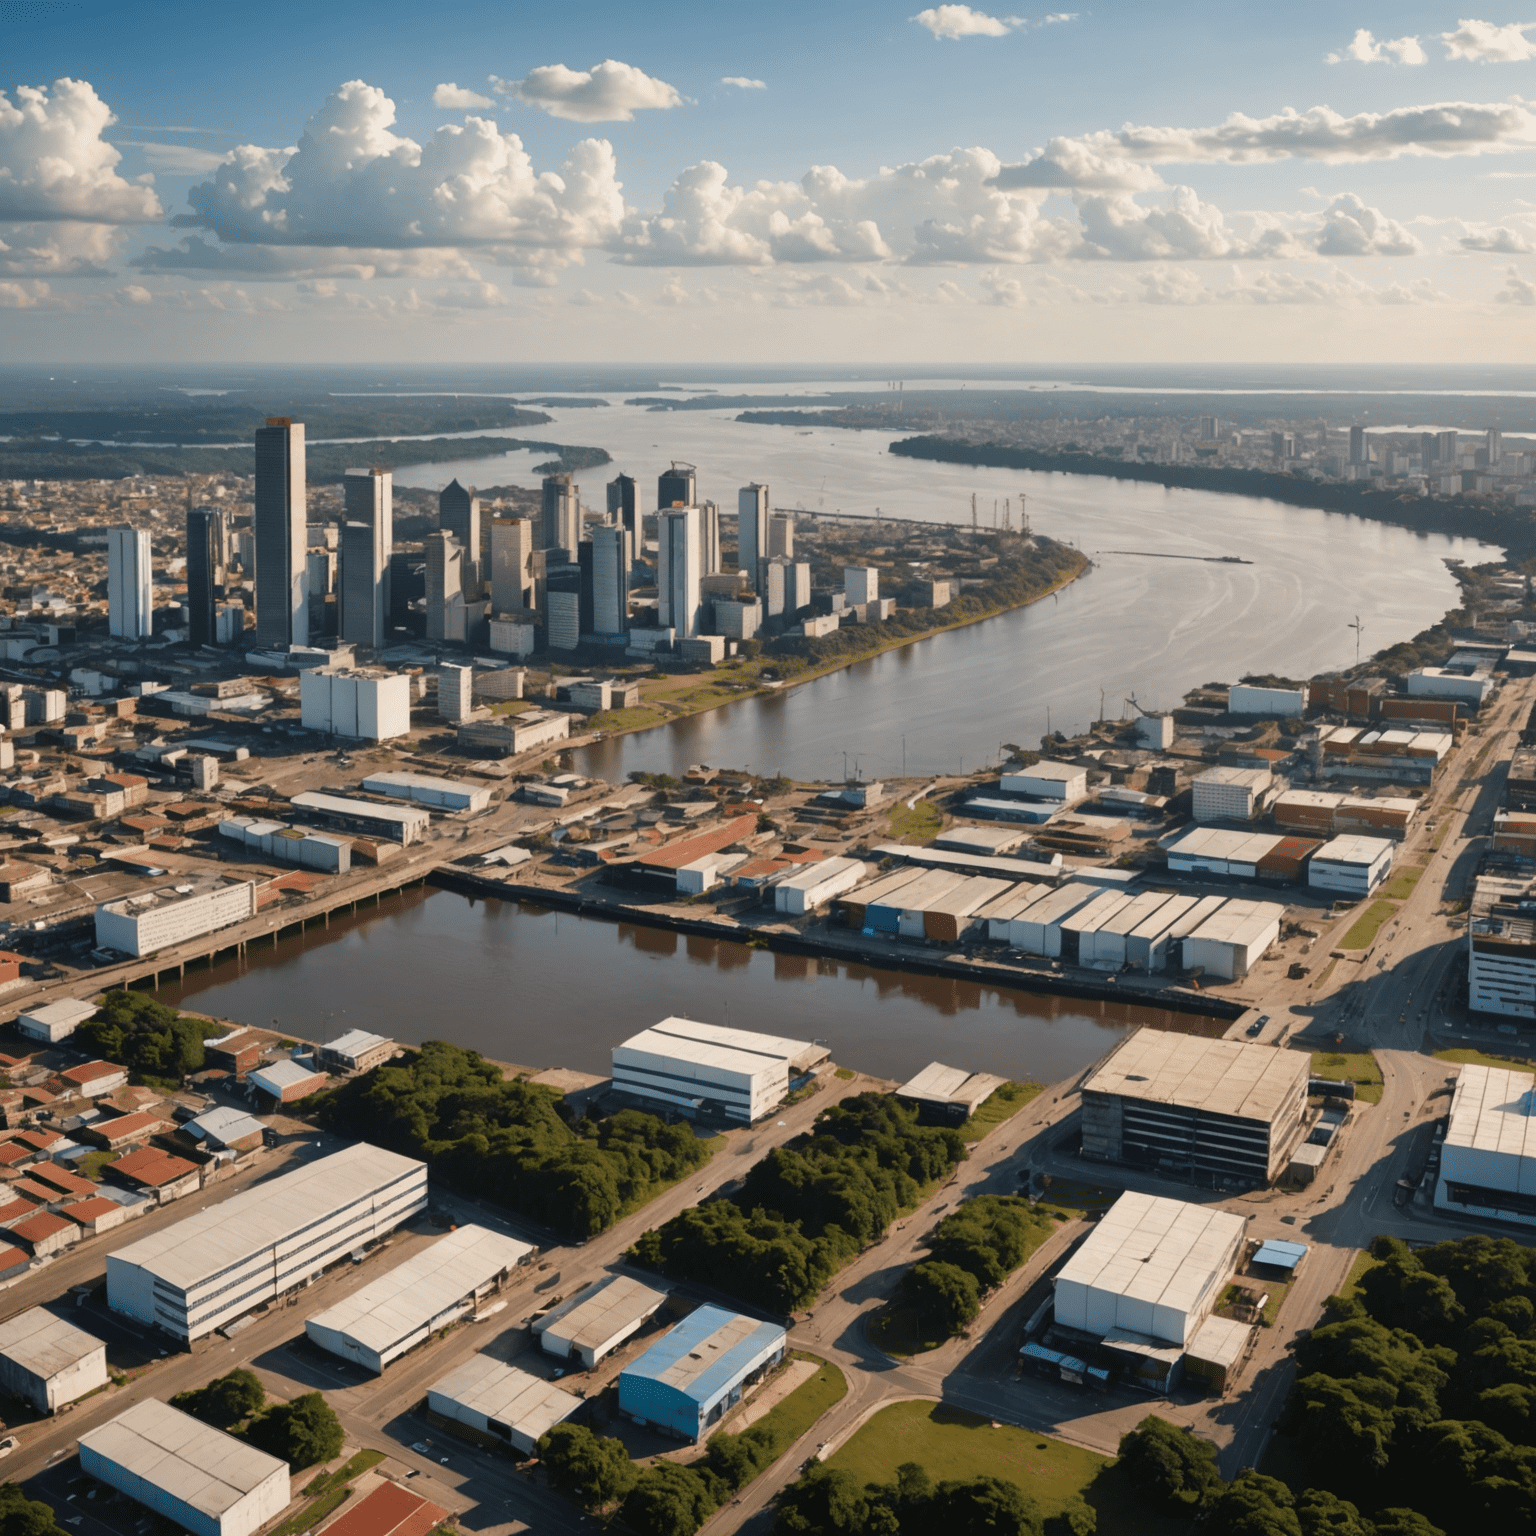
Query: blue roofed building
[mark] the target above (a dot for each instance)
(687, 1381)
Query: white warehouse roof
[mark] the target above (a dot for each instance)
(528, 1405)
(356, 1042)
(590, 1319)
(1240, 922)
(1222, 1077)
(45, 1345)
(1493, 1110)
(338, 805)
(737, 1050)
(1353, 849)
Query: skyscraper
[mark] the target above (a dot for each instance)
(205, 536)
(1357, 453)
(562, 607)
(282, 603)
(511, 564)
(610, 579)
(709, 537)
(1494, 441)
(678, 571)
(367, 542)
(561, 527)
(130, 591)
(751, 530)
(1449, 456)
(458, 513)
(445, 588)
(624, 506)
(781, 534)
(678, 484)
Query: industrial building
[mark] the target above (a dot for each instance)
(1036, 930)
(289, 845)
(707, 1070)
(1323, 812)
(356, 1051)
(1352, 865)
(1229, 942)
(406, 1305)
(500, 1400)
(594, 1322)
(510, 735)
(1226, 854)
(1219, 1113)
(48, 1362)
(948, 1095)
(369, 704)
(207, 1482)
(55, 1021)
(1501, 947)
(1488, 1158)
(203, 1272)
(856, 903)
(687, 1381)
(391, 823)
(1229, 794)
(1266, 703)
(442, 794)
(816, 884)
(972, 863)
(1062, 782)
(1441, 683)
(286, 1081)
(142, 925)
(939, 905)
(1145, 1280)
(992, 841)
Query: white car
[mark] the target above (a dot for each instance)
(9, 1444)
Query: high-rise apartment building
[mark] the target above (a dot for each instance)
(1210, 429)
(455, 692)
(1357, 453)
(610, 579)
(367, 542)
(781, 535)
(445, 588)
(861, 584)
(1494, 441)
(709, 537)
(205, 538)
(511, 564)
(1448, 455)
(282, 603)
(561, 525)
(562, 607)
(679, 569)
(624, 506)
(677, 486)
(130, 588)
(458, 513)
(751, 530)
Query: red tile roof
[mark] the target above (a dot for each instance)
(126, 1127)
(86, 1212)
(149, 1165)
(62, 1179)
(39, 1228)
(13, 1153)
(675, 855)
(389, 1510)
(92, 1072)
(16, 1210)
(12, 1257)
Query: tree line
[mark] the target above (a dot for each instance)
(303, 1432)
(828, 1501)
(150, 1039)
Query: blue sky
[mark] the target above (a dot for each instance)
(1123, 183)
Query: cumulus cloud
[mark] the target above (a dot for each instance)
(195, 254)
(353, 184)
(1350, 228)
(1364, 49)
(1004, 289)
(57, 250)
(1482, 42)
(24, 295)
(1516, 289)
(610, 92)
(957, 21)
(1118, 228)
(1440, 129)
(54, 163)
(744, 82)
(456, 98)
(1498, 240)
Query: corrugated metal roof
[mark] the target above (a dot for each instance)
(1493, 1110)
(280, 1075)
(1353, 849)
(747, 1048)
(1220, 1341)
(709, 1348)
(1240, 922)
(44, 1344)
(528, 1404)
(595, 1316)
(1225, 1077)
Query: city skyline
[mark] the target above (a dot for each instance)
(860, 184)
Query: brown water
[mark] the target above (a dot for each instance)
(544, 989)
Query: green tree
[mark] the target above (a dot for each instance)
(225, 1402)
(1175, 1472)
(983, 1506)
(145, 1036)
(1325, 1514)
(303, 1432)
(825, 1502)
(1404, 1522)
(597, 1472)
(945, 1295)
(668, 1500)
(21, 1516)
(1253, 1505)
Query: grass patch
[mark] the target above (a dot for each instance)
(511, 706)
(950, 1443)
(311, 1516)
(788, 1419)
(1359, 1067)
(92, 1163)
(1400, 886)
(1071, 1196)
(1357, 1272)
(920, 823)
(1462, 1055)
(1362, 932)
(1003, 1103)
(1325, 973)
(344, 1474)
(847, 1074)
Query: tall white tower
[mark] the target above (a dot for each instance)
(679, 570)
(130, 591)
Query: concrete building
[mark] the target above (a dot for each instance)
(1501, 947)
(511, 566)
(156, 920)
(1229, 794)
(594, 1322)
(203, 1272)
(679, 570)
(224, 1129)
(510, 735)
(130, 584)
(48, 1362)
(709, 1070)
(286, 1082)
(55, 1021)
(1323, 812)
(1226, 853)
(610, 579)
(948, 1095)
(367, 703)
(458, 513)
(1047, 781)
(861, 584)
(1488, 1158)
(560, 519)
(289, 845)
(405, 1306)
(1266, 703)
(1220, 1113)
(1440, 683)
(205, 571)
(709, 538)
(455, 692)
(501, 1401)
(689, 1380)
(280, 525)
(424, 789)
(367, 542)
(1233, 938)
(752, 531)
(402, 824)
(207, 1482)
(781, 535)
(816, 884)
(447, 614)
(677, 486)
(738, 620)
(1351, 865)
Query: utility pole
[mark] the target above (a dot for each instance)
(1359, 630)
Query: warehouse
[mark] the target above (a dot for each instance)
(1229, 794)
(355, 1051)
(1146, 1278)
(703, 1069)
(48, 1362)
(972, 863)
(1351, 865)
(1037, 930)
(1109, 946)
(1031, 812)
(948, 1095)
(1079, 930)
(941, 908)
(1324, 812)
(1488, 1159)
(420, 788)
(289, 845)
(816, 884)
(992, 841)
(596, 1321)
(209, 1483)
(286, 1082)
(1232, 940)
(389, 823)
(1440, 683)
(884, 914)
(500, 1400)
(406, 1305)
(1266, 703)
(1219, 1113)
(55, 1021)
(687, 1381)
(156, 920)
(999, 914)
(1047, 781)
(855, 904)
(216, 1265)
(1149, 944)
(1232, 855)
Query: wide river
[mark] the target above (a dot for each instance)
(543, 989)
(1134, 625)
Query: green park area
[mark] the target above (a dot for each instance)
(1362, 932)
(1004, 1103)
(1462, 1055)
(1358, 1067)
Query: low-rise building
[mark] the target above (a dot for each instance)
(816, 884)
(512, 735)
(1265, 703)
(1233, 938)
(162, 1176)
(224, 1129)
(501, 1401)
(1501, 947)
(48, 1362)
(289, 845)
(422, 789)
(55, 1021)
(144, 925)
(1488, 1158)
(355, 1051)
(948, 1095)
(94, 1079)
(286, 1081)
(594, 1322)
(1351, 865)
(1046, 780)
(393, 823)
(1229, 794)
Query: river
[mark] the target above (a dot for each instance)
(542, 989)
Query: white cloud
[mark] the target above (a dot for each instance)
(57, 250)
(1350, 228)
(1498, 240)
(956, 21)
(744, 82)
(457, 99)
(1364, 49)
(194, 254)
(24, 295)
(610, 92)
(1004, 290)
(54, 163)
(176, 159)
(134, 293)
(354, 184)
(1516, 289)
(1482, 42)
(1117, 228)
